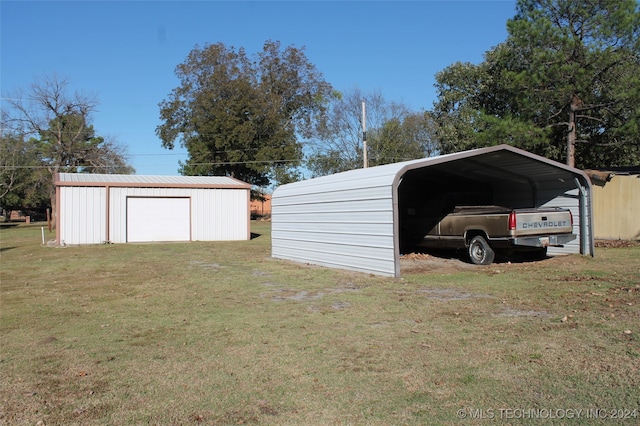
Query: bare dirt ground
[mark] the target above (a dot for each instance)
(616, 243)
(444, 263)
(423, 262)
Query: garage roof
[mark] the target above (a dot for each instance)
(148, 181)
(350, 220)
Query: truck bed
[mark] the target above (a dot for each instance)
(501, 227)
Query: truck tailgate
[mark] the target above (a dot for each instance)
(536, 222)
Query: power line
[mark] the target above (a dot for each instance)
(160, 155)
(221, 163)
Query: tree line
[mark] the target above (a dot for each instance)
(565, 84)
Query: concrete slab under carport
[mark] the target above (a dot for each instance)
(358, 220)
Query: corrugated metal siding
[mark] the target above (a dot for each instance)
(220, 214)
(83, 215)
(344, 221)
(568, 199)
(616, 208)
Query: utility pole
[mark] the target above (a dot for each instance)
(365, 157)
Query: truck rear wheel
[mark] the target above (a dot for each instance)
(480, 252)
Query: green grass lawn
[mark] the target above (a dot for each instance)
(221, 333)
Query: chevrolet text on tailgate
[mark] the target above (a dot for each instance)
(483, 230)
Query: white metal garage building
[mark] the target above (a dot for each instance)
(98, 208)
(360, 219)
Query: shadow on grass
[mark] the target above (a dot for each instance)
(254, 235)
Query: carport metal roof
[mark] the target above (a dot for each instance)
(304, 207)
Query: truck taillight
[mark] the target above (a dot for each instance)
(512, 221)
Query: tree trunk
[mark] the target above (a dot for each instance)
(576, 103)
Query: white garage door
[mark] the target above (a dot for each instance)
(158, 219)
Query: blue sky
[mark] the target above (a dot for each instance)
(125, 52)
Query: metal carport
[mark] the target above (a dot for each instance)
(361, 219)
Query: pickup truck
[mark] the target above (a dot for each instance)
(484, 229)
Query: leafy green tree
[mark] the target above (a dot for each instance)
(22, 181)
(419, 135)
(565, 84)
(242, 116)
(58, 126)
(390, 144)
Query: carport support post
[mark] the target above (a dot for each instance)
(583, 217)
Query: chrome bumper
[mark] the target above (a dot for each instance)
(544, 241)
